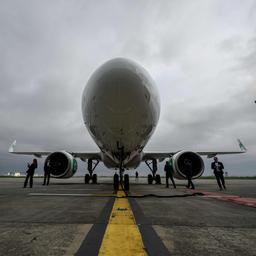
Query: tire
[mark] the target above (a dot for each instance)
(94, 178)
(126, 182)
(116, 182)
(150, 179)
(158, 179)
(86, 178)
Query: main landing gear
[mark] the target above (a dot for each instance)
(90, 176)
(152, 165)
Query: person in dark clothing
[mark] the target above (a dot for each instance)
(169, 174)
(217, 168)
(30, 173)
(47, 175)
(188, 168)
(136, 175)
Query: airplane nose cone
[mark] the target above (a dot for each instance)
(120, 102)
(121, 87)
(122, 91)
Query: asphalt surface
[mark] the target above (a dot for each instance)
(65, 216)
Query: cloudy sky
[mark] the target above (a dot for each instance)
(202, 55)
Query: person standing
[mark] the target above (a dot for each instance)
(47, 173)
(136, 176)
(189, 173)
(217, 168)
(169, 174)
(30, 173)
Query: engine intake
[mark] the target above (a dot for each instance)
(60, 165)
(178, 163)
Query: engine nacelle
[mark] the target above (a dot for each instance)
(179, 165)
(61, 165)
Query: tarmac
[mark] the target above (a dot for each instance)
(71, 218)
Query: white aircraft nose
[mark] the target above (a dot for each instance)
(120, 104)
(122, 91)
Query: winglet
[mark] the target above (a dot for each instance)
(241, 145)
(11, 148)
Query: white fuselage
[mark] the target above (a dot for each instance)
(121, 108)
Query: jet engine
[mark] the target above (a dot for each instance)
(179, 164)
(61, 165)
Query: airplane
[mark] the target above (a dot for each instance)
(121, 108)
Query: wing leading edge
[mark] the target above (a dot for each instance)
(146, 156)
(82, 155)
(162, 155)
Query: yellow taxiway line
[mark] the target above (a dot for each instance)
(122, 235)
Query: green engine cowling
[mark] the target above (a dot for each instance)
(61, 165)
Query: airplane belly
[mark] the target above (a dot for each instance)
(128, 128)
(120, 107)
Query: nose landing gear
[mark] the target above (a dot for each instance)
(126, 182)
(116, 182)
(123, 181)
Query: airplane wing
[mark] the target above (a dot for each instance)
(82, 155)
(162, 155)
(157, 155)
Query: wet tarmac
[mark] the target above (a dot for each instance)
(69, 217)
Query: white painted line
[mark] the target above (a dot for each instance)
(57, 194)
(82, 189)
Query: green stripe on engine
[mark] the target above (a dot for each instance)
(74, 165)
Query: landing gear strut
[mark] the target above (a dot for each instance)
(121, 179)
(91, 167)
(152, 165)
(124, 179)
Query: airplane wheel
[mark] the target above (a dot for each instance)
(86, 178)
(158, 179)
(150, 179)
(94, 178)
(126, 182)
(116, 182)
